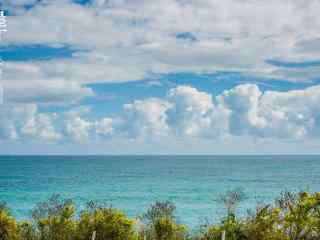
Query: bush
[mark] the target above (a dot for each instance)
(8, 226)
(291, 217)
(233, 230)
(107, 222)
(166, 229)
(54, 219)
(161, 224)
(301, 216)
(27, 231)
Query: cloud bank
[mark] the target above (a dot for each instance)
(185, 113)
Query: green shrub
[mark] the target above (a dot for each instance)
(264, 224)
(301, 216)
(291, 217)
(166, 229)
(8, 226)
(230, 226)
(107, 222)
(54, 219)
(231, 200)
(27, 231)
(161, 224)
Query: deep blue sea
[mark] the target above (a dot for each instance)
(132, 183)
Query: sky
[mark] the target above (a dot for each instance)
(160, 77)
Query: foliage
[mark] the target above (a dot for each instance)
(55, 219)
(161, 223)
(107, 222)
(159, 210)
(8, 226)
(27, 231)
(290, 217)
(231, 200)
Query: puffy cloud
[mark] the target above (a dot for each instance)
(243, 111)
(7, 123)
(242, 102)
(40, 126)
(185, 113)
(147, 118)
(104, 127)
(194, 113)
(79, 129)
(23, 121)
(292, 114)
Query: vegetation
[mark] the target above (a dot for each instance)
(161, 224)
(290, 217)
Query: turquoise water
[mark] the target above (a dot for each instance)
(134, 182)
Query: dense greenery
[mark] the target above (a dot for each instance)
(290, 217)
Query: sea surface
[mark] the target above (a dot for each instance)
(132, 183)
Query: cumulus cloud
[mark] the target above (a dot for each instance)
(23, 121)
(104, 127)
(40, 126)
(194, 113)
(147, 118)
(292, 114)
(78, 128)
(242, 103)
(243, 111)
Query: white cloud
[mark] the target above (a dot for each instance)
(77, 128)
(147, 118)
(242, 103)
(243, 111)
(184, 115)
(292, 114)
(194, 113)
(7, 129)
(126, 40)
(27, 83)
(1, 92)
(80, 129)
(104, 127)
(23, 121)
(40, 126)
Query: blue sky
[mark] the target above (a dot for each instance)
(169, 78)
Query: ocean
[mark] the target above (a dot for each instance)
(132, 183)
